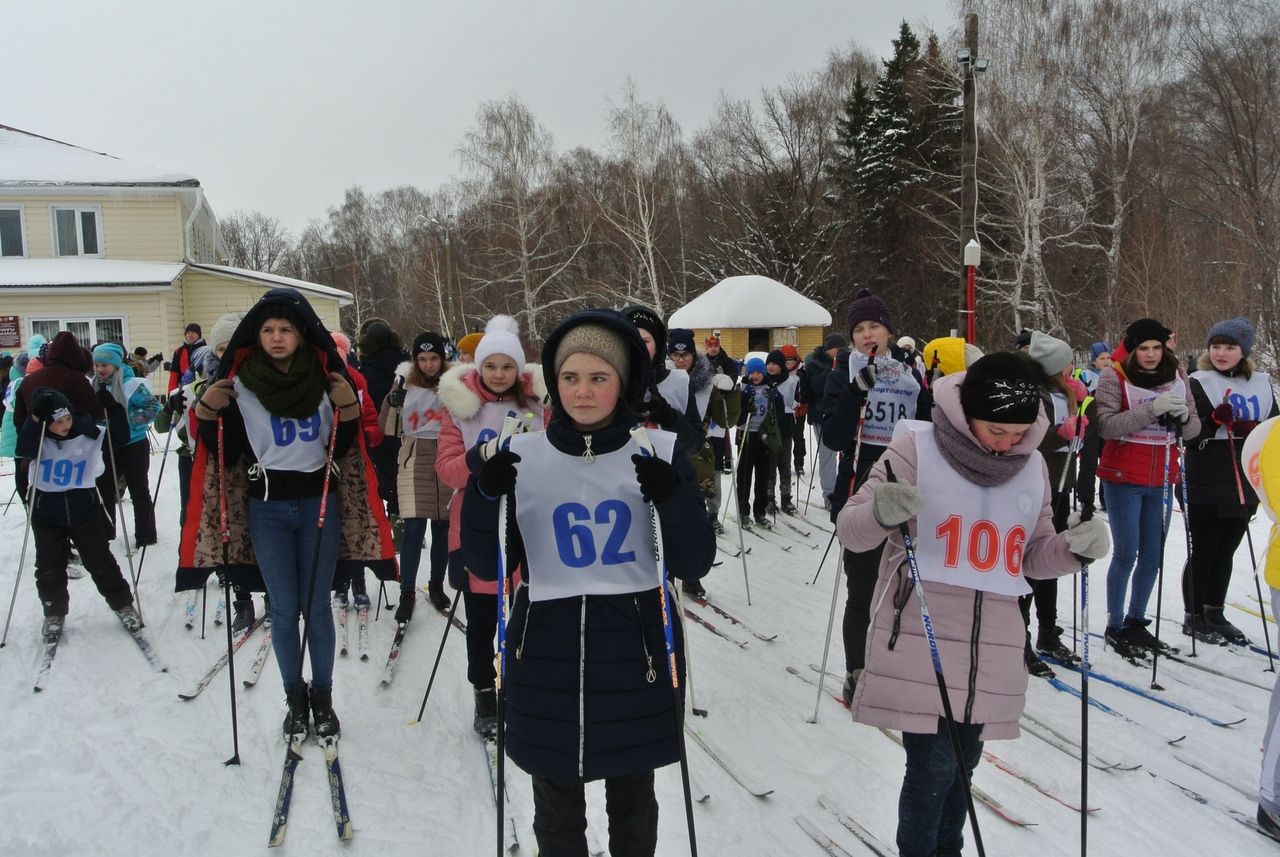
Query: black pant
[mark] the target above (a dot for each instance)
(560, 816)
(184, 487)
(756, 459)
(92, 539)
(134, 461)
(724, 455)
(482, 626)
(20, 478)
(1214, 541)
(861, 571)
(1045, 592)
(797, 443)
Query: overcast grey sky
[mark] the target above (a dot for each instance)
(279, 106)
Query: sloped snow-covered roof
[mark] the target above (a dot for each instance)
(750, 301)
(344, 297)
(29, 160)
(77, 272)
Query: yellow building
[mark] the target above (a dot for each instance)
(754, 313)
(110, 249)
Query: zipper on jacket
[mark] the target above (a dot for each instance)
(528, 620)
(973, 655)
(588, 456)
(582, 681)
(650, 675)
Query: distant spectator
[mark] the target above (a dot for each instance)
(180, 370)
(467, 347)
(381, 352)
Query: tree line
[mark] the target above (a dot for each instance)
(1128, 162)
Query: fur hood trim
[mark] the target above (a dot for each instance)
(700, 373)
(1244, 367)
(460, 390)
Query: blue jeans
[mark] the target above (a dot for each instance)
(283, 533)
(1137, 516)
(931, 807)
(411, 551)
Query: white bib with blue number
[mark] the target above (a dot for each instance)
(487, 422)
(282, 443)
(65, 465)
(893, 397)
(971, 536)
(585, 527)
(675, 389)
(1249, 400)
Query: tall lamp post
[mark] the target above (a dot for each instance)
(972, 259)
(972, 64)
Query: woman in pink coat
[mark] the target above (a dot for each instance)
(975, 494)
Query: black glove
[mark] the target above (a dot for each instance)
(177, 401)
(866, 377)
(659, 412)
(498, 475)
(657, 478)
(396, 396)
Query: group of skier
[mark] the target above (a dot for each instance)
(943, 466)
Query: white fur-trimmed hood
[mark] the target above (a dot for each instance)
(459, 387)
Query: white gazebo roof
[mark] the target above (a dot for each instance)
(750, 301)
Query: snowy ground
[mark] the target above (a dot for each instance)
(108, 761)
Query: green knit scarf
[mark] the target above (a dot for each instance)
(294, 394)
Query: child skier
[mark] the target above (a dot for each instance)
(787, 386)
(130, 407)
(761, 441)
(975, 495)
(65, 461)
(588, 696)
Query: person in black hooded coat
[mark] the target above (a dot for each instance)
(588, 695)
(381, 353)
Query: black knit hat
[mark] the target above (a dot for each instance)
(1002, 387)
(429, 341)
(868, 307)
(647, 319)
(193, 328)
(776, 356)
(1143, 330)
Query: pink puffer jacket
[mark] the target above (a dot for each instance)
(898, 688)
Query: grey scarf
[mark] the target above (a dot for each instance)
(974, 464)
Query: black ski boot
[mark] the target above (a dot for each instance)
(297, 720)
(788, 507)
(1269, 823)
(244, 614)
(435, 594)
(130, 619)
(1118, 640)
(326, 721)
(1035, 666)
(51, 630)
(404, 610)
(1217, 622)
(1049, 642)
(772, 507)
(762, 521)
(693, 588)
(1138, 635)
(1203, 632)
(486, 718)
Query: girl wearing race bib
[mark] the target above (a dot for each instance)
(588, 693)
(758, 424)
(1231, 399)
(975, 494)
(68, 509)
(130, 407)
(1141, 402)
(477, 397)
(412, 411)
(282, 389)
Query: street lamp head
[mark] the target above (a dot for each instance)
(981, 64)
(972, 254)
(963, 56)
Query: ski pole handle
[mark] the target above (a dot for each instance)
(641, 436)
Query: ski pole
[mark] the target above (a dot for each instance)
(1073, 452)
(509, 426)
(1166, 500)
(10, 503)
(124, 528)
(26, 534)
(155, 497)
(688, 655)
(1186, 529)
(830, 542)
(224, 532)
(733, 481)
(641, 437)
(813, 463)
(1086, 513)
(453, 609)
(1253, 559)
(962, 769)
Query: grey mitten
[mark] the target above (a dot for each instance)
(1087, 539)
(896, 503)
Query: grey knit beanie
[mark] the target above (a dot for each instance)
(224, 328)
(598, 340)
(1238, 329)
(1051, 353)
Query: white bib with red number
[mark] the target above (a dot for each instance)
(421, 413)
(1154, 434)
(971, 536)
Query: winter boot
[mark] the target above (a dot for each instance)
(745, 520)
(772, 508)
(244, 615)
(435, 594)
(1118, 640)
(693, 588)
(326, 721)
(799, 468)
(404, 610)
(718, 527)
(486, 718)
(361, 599)
(1269, 823)
(297, 720)
(1138, 635)
(1049, 642)
(1203, 632)
(788, 507)
(130, 619)
(1216, 621)
(51, 630)
(1035, 666)
(762, 521)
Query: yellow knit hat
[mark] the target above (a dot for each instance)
(469, 342)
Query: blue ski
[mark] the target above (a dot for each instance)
(285, 795)
(1146, 694)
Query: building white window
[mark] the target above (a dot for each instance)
(77, 230)
(88, 331)
(12, 235)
